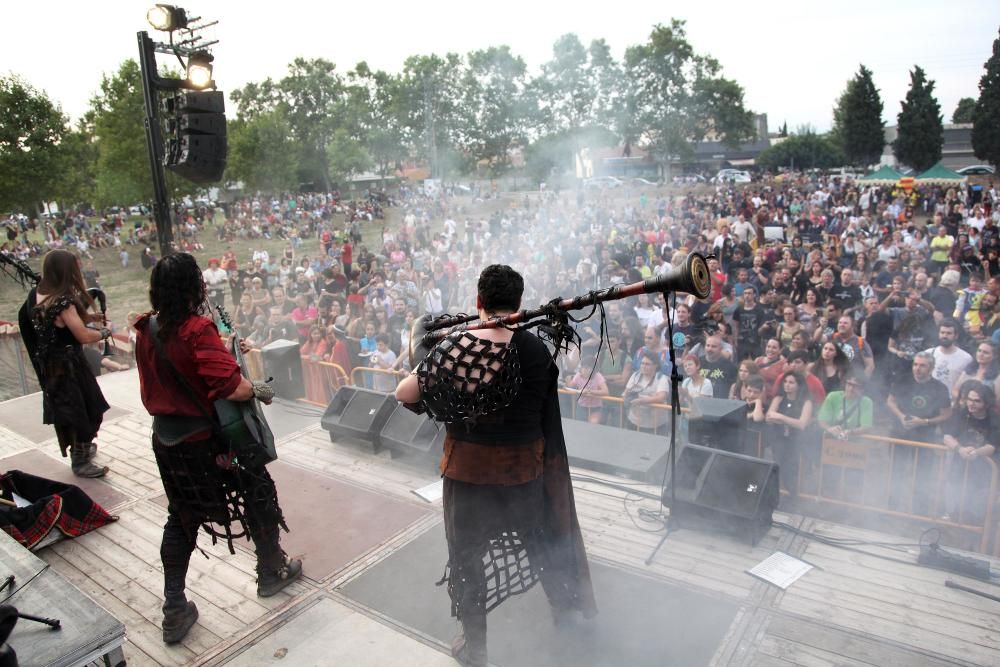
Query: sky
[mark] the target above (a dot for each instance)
(793, 59)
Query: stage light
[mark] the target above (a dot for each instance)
(199, 70)
(167, 18)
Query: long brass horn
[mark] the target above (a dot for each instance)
(692, 277)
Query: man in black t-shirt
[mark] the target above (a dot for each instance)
(750, 317)
(918, 406)
(847, 295)
(721, 372)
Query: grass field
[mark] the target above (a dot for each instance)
(127, 288)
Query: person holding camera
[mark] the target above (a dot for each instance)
(846, 413)
(646, 387)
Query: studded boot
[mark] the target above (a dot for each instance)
(275, 570)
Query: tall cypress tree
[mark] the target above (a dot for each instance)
(986, 120)
(919, 124)
(859, 120)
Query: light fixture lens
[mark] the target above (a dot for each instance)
(160, 17)
(167, 18)
(199, 75)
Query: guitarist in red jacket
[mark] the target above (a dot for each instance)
(183, 369)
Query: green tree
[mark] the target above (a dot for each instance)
(986, 121)
(965, 111)
(429, 108)
(313, 97)
(676, 97)
(806, 150)
(262, 153)
(495, 106)
(578, 88)
(920, 130)
(857, 120)
(32, 130)
(346, 156)
(380, 102)
(77, 183)
(117, 115)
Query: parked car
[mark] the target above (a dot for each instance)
(977, 170)
(732, 176)
(637, 182)
(602, 183)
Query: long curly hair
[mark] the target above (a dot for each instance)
(176, 291)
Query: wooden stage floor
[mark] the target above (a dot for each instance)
(875, 608)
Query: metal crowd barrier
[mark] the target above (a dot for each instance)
(870, 473)
(903, 478)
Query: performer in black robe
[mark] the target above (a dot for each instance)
(510, 517)
(53, 322)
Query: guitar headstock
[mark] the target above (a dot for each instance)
(224, 317)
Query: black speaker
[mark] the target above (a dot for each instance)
(616, 451)
(719, 423)
(196, 145)
(358, 413)
(723, 490)
(407, 433)
(282, 361)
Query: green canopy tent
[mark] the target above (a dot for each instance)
(940, 175)
(883, 176)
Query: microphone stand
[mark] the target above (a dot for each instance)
(675, 413)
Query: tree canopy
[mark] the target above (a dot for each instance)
(857, 120)
(32, 149)
(920, 129)
(986, 119)
(965, 111)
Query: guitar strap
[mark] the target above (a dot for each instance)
(174, 429)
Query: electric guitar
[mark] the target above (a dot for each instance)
(242, 423)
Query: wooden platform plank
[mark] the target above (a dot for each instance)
(949, 640)
(101, 569)
(141, 632)
(850, 646)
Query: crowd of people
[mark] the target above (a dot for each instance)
(823, 292)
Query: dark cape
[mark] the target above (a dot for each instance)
(504, 539)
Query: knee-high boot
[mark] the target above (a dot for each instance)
(179, 614)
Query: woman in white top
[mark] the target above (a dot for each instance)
(694, 384)
(647, 386)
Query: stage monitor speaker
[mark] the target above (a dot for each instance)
(719, 423)
(358, 414)
(407, 433)
(723, 490)
(282, 361)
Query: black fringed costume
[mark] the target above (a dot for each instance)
(71, 398)
(205, 487)
(509, 512)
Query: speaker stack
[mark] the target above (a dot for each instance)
(412, 436)
(726, 491)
